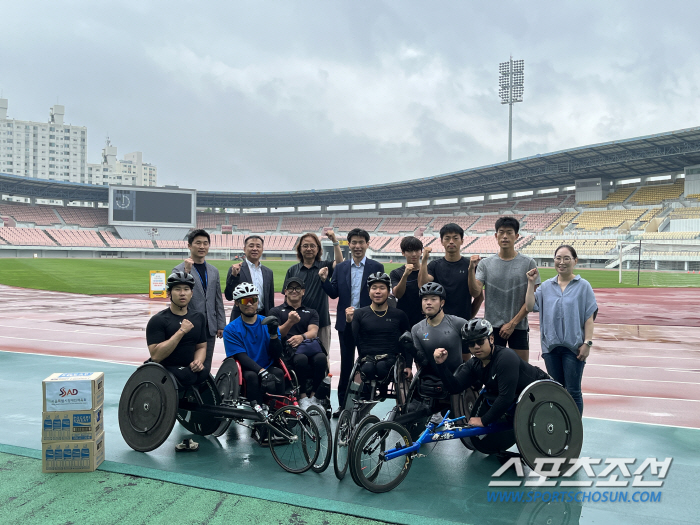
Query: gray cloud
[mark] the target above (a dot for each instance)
(253, 96)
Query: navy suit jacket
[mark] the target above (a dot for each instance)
(339, 286)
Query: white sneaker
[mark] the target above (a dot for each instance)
(304, 403)
(314, 401)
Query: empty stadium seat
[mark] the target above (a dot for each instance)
(26, 237)
(41, 215)
(84, 217)
(656, 194)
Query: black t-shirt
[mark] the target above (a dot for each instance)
(410, 302)
(202, 271)
(307, 316)
(454, 277)
(163, 326)
(376, 335)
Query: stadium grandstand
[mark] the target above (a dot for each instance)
(594, 197)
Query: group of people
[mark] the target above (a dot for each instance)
(435, 301)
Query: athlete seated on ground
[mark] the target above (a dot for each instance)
(176, 337)
(376, 330)
(255, 343)
(299, 329)
(497, 368)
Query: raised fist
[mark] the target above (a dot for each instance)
(440, 355)
(426, 253)
(272, 324)
(349, 313)
(331, 235)
(188, 265)
(294, 317)
(236, 268)
(323, 274)
(408, 270)
(186, 325)
(474, 261)
(532, 275)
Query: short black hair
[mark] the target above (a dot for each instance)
(451, 227)
(508, 222)
(358, 232)
(245, 241)
(411, 244)
(197, 233)
(568, 247)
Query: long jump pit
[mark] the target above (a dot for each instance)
(641, 390)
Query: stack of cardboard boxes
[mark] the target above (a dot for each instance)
(73, 438)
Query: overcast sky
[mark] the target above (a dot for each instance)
(274, 96)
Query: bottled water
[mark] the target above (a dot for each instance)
(48, 430)
(50, 465)
(65, 429)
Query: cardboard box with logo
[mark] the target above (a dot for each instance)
(73, 391)
(79, 425)
(73, 456)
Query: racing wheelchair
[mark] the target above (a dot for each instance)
(544, 423)
(152, 400)
(231, 387)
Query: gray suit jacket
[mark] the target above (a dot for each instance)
(244, 277)
(210, 304)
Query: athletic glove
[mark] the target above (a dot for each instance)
(268, 381)
(406, 343)
(272, 324)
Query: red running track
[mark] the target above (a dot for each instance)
(644, 367)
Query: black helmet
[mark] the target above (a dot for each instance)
(378, 277)
(432, 288)
(476, 329)
(179, 278)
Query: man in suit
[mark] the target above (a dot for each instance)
(206, 295)
(251, 271)
(349, 285)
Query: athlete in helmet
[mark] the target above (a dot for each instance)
(498, 369)
(255, 341)
(376, 330)
(176, 336)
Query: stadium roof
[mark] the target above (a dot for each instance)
(623, 159)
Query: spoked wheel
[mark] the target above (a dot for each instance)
(202, 424)
(359, 431)
(318, 415)
(547, 423)
(148, 407)
(462, 405)
(297, 445)
(341, 443)
(372, 471)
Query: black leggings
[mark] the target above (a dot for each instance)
(187, 377)
(313, 367)
(253, 389)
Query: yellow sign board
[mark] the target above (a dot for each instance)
(157, 284)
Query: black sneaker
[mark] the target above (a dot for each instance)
(336, 413)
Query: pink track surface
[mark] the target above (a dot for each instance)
(644, 367)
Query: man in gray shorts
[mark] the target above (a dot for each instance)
(504, 276)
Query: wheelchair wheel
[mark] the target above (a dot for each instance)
(299, 451)
(202, 424)
(491, 443)
(401, 383)
(148, 407)
(227, 381)
(318, 415)
(359, 431)
(341, 443)
(372, 471)
(462, 405)
(547, 423)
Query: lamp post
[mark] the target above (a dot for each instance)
(510, 89)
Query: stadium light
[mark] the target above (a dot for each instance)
(510, 89)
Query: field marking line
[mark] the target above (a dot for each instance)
(640, 422)
(69, 342)
(642, 397)
(647, 380)
(72, 357)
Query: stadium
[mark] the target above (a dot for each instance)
(631, 208)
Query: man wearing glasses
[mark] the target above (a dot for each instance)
(497, 369)
(309, 252)
(206, 295)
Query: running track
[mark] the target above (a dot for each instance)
(644, 367)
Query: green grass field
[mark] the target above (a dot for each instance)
(130, 276)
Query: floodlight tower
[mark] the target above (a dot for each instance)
(510, 89)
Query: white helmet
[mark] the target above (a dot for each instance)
(245, 290)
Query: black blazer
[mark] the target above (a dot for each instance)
(244, 277)
(340, 286)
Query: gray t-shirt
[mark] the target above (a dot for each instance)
(506, 285)
(445, 335)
